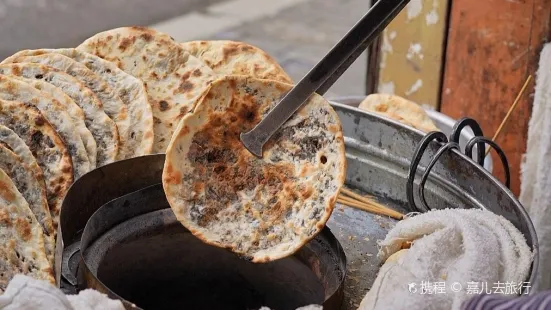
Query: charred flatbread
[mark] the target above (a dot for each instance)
(74, 111)
(237, 58)
(262, 209)
(30, 183)
(55, 114)
(47, 147)
(22, 247)
(130, 89)
(399, 109)
(102, 128)
(174, 79)
(112, 104)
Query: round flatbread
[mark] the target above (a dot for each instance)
(263, 209)
(112, 104)
(399, 109)
(174, 80)
(22, 247)
(11, 140)
(130, 89)
(55, 114)
(30, 183)
(46, 146)
(237, 58)
(74, 111)
(102, 128)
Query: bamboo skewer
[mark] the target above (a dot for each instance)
(365, 203)
(513, 106)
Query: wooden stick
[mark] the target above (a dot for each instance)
(513, 106)
(355, 196)
(376, 207)
(346, 200)
(349, 192)
(362, 207)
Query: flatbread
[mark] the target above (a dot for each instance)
(112, 104)
(237, 58)
(22, 247)
(30, 183)
(54, 113)
(130, 89)
(263, 209)
(74, 111)
(399, 109)
(174, 80)
(46, 146)
(103, 129)
(10, 139)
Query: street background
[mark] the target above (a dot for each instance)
(297, 33)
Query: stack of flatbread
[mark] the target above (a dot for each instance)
(133, 91)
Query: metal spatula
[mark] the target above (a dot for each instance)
(325, 73)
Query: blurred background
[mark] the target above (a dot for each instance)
(297, 33)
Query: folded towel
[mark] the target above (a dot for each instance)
(26, 293)
(535, 195)
(438, 259)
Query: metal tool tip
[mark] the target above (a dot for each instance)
(251, 144)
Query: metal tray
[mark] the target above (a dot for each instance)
(379, 153)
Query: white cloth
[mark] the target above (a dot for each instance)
(26, 293)
(535, 193)
(449, 246)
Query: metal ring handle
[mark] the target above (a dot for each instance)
(448, 146)
(475, 127)
(469, 151)
(417, 156)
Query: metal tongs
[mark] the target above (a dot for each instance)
(325, 73)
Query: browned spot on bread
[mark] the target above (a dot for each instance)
(171, 176)
(16, 70)
(306, 192)
(184, 131)
(39, 121)
(6, 193)
(154, 75)
(163, 105)
(186, 76)
(109, 37)
(203, 43)
(23, 229)
(229, 50)
(196, 72)
(246, 48)
(5, 217)
(125, 43)
(66, 169)
(185, 87)
(147, 37)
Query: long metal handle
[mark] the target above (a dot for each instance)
(326, 72)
